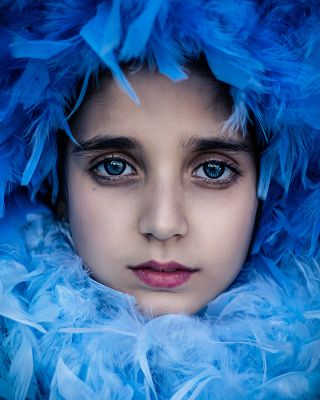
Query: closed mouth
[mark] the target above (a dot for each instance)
(170, 266)
(160, 275)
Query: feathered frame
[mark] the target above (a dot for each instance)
(268, 52)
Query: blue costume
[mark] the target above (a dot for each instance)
(65, 336)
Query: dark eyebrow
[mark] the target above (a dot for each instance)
(194, 144)
(106, 142)
(216, 143)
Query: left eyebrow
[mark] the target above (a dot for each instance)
(195, 144)
(107, 142)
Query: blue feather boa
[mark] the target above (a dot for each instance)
(69, 337)
(63, 335)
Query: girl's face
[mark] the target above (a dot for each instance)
(161, 182)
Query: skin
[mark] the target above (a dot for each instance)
(162, 209)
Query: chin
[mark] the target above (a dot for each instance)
(162, 303)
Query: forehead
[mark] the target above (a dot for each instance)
(197, 106)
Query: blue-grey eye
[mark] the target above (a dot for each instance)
(112, 166)
(214, 170)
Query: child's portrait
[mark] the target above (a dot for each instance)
(159, 195)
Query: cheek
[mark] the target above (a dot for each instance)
(226, 225)
(223, 237)
(99, 218)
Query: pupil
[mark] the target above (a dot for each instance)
(114, 167)
(214, 170)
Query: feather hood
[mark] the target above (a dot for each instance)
(65, 336)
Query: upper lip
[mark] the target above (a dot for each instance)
(167, 266)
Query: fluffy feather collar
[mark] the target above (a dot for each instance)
(65, 336)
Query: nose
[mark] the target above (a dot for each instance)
(163, 212)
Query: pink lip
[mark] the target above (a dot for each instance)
(155, 265)
(163, 275)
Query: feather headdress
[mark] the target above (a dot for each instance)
(63, 335)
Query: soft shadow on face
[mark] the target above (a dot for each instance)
(145, 187)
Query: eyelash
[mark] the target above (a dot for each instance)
(235, 172)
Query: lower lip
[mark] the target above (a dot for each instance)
(162, 279)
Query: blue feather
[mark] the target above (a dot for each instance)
(30, 88)
(67, 385)
(140, 28)
(37, 49)
(20, 374)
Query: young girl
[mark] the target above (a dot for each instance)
(160, 230)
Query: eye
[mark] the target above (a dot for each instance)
(218, 172)
(214, 170)
(113, 168)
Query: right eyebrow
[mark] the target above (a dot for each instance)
(106, 142)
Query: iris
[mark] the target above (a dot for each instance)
(114, 167)
(213, 170)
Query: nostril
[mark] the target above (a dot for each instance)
(147, 236)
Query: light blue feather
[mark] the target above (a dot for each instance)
(21, 369)
(242, 344)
